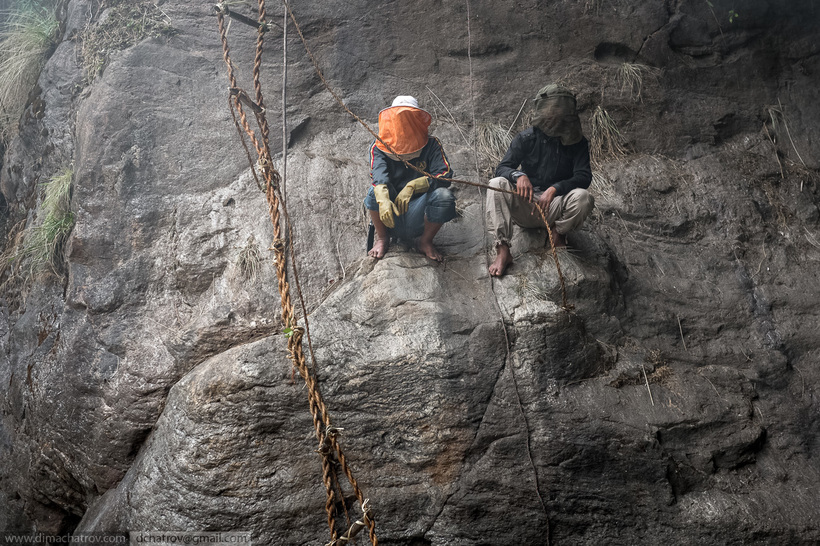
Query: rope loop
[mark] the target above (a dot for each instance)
(366, 512)
(365, 523)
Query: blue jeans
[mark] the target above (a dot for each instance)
(437, 206)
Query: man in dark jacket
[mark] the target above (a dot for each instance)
(401, 202)
(547, 166)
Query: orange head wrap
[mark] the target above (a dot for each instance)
(404, 128)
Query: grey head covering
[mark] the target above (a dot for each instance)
(555, 114)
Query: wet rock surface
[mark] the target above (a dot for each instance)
(148, 385)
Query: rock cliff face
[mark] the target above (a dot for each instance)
(147, 386)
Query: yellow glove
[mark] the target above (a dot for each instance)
(418, 185)
(386, 207)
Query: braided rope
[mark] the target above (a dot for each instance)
(233, 100)
(318, 409)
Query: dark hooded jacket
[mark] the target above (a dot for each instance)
(547, 162)
(433, 160)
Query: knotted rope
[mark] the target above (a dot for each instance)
(325, 433)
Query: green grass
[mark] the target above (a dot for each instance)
(127, 22)
(43, 243)
(25, 40)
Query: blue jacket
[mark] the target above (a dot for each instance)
(547, 162)
(396, 175)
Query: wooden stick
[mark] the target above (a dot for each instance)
(221, 8)
(681, 335)
(246, 100)
(647, 383)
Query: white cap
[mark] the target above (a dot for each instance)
(405, 100)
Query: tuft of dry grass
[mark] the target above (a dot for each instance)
(528, 289)
(25, 42)
(493, 141)
(593, 6)
(601, 185)
(631, 77)
(812, 239)
(124, 24)
(606, 141)
(14, 240)
(661, 374)
(249, 260)
(780, 126)
(655, 357)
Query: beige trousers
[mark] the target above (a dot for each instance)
(566, 212)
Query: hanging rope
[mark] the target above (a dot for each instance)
(330, 449)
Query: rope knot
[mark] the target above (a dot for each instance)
(264, 165)
(333, 432)
(366, 514)
(296, 334)
(278, 245)
(327, 443)
(270, 174)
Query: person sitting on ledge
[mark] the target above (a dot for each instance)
(401, 202)
(547, 166)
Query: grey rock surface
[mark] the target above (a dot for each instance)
(148, 387)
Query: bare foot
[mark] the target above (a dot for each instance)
(379, 248)
(428, 250)
(558, 240)
(502, 261)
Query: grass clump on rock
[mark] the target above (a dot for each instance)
(631, 77)
(493, 141)
(122, 24)
(606, 140)
(27, 35)
(43, 243)
(249, 260)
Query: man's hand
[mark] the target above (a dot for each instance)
(523, 187)
(545, 200)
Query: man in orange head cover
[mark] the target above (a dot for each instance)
(402, 202)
